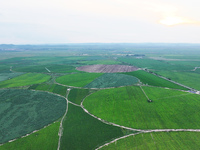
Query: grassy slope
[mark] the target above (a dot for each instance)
(25, 79)
(78, 80)
(6, 76)
(112, 80)
(187, 78)
(158, 141)
(84, 132)
(151, 79)
(169, 109)
(45, 139)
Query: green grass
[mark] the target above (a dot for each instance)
(24, 80)
(78, 80)
(150, 79)
(83, 132)
(54, 88)
(170, 108)
(6, 76)
(112, 80)
(158, 141)
(45, 139)
(23, 111)
(77, 95)
(190, 79)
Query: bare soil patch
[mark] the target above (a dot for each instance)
(107, 68)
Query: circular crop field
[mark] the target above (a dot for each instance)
(107, 68)
(24, 111)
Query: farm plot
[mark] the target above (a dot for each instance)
(112, 80)
(187, 78)
(54, 88)
(6, 76)
(24, 80)
(153, 80)
(107, 68)
(178, 110)
(45, 139)
(158, 141)
(23, 111)
(78, 80)
(46, 68)
(77, 95)
(81, 131)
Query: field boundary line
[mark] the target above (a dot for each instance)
(104, 121)
(60, 132)
(149, 131)
(144, 93)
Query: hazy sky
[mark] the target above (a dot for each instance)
(105, 21)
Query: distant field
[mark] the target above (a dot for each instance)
(158, 141)
(155, 64)
(46, 68)
(78, 80)
(45, 139)
(104, 62)
(77, 95)
(187, 78)
(54, 88)
(6, 76)
(153, 80)
(170, 109)
(112, 80)
(81, 131)
(24, 80)
(23, 111)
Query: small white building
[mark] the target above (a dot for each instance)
(198, 92)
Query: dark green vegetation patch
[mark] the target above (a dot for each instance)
(6, 76)
(150, 79)
(81, 131)
(54, 88)
(170, 109)
(23, 111)
(78, 79)
(24, 80)
(158, 141)
(45, 139)
(77, 95)
(112, 80)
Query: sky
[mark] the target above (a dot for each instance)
(99, 21)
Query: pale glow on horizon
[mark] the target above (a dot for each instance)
(170, 21)
(63, 21)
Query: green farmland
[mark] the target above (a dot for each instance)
(176, 110)
(24, 80)
(23, 111)
(160, 140)
(78, 80)
(153, 80)
(46, 103)
(82, 131)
